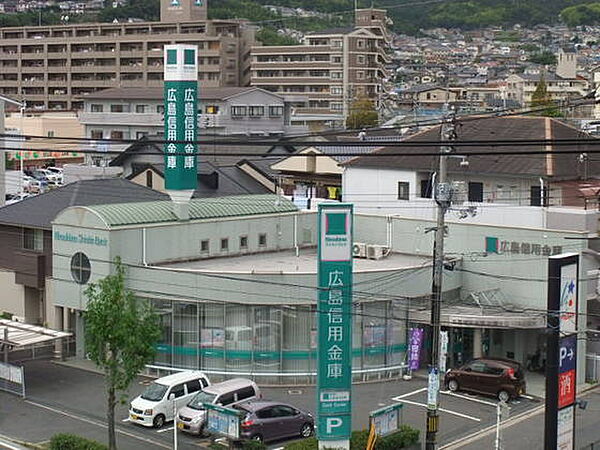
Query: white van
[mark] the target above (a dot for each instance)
(155, 406)
(192, 417)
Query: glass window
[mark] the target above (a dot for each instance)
(116, 134)
(33, 239)
(224, 244)
(200, 398)
(119, 108)
(475, 192)
(178, 390)
(283, 411)
(262, 240)
(160, 109)
(256, 111)
(80, 268)
(243, 242)
(141, 134)
(265, 413)
(140, 109)
(97, 108)
(246, 392)
(275, 111)
(225, 399)
(154, 392)
(212, 109)
(403, 190)
(204, 246)
(238, 111)
(193, 386)
(96, 134)
(477, 366)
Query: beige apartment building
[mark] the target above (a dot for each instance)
(51, 67)
(331, 67)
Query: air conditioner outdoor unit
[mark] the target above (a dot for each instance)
(359, 250)
(376, 251)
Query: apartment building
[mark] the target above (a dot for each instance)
(332, 67)
(50, 66)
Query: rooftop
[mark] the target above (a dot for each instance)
(305, 262)
(156, 93)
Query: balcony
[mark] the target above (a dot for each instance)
(145, 119)
(30, 269)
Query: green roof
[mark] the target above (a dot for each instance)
(121, 214)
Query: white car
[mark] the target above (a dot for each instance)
(11, 199)
(31, 185)
(50, 176)
(59, 173)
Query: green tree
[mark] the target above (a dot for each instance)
(545, 58)
(121, 333)
(362, 114)
(269, 36)
(540, 99)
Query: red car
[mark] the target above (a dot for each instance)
(499, 377)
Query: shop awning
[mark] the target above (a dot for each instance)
(20, 335)
(475, 317)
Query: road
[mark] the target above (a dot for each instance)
(66, 399)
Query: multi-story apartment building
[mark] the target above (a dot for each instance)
(332, 67)
(50, 66)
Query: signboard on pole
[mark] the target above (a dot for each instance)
(334, 323)
(386, 420)
(223, 421)
(443, 351)
(180, 116)
(561, 359)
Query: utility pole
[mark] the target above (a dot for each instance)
(442, 196)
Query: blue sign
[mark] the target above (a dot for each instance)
(223, 421)
(567, 354)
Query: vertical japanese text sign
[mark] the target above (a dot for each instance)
(561, 347)
(334, 319)
(180, 116)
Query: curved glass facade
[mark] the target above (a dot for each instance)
(256, 339)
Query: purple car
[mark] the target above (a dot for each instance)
(269, 421)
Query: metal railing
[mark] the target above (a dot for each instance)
(12, 379)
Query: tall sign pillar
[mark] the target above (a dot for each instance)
(334, 323)
(181, 124)
(561, 352)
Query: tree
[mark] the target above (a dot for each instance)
(545, 58)
(362, 114)
(121, 333)
(540, 99)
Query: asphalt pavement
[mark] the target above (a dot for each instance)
(67, 399)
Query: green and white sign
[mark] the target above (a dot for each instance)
(181, 121)
(334, 352)
(223, 421)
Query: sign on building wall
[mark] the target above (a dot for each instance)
(334, 352)
(180, 116)
(561, 367)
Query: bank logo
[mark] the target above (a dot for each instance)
(335, 224)
(491, 245)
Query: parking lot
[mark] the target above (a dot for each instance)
(66, 399)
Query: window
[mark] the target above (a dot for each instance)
(243, 242)
(360, 75)
(97, 108)
(477, 366)
(336, 59)
(246, 392)
(536, 196)
(226, 399)
(336, 43)
(360, 59)
(265, 413)
(275, 111)
(256, 111)
(224, 244)
(96, 134)
(262, 240)
(80, 268)
(141, 134)
(426, 188)
(238, 111)
(140, 109)
(475, 192)
(212, 109)
(51, 133)
(283, 411)
(178, 390)
(119, 108)
(204, 246)
(193, 386)
(160, 109)
(336, 75)
(336, 90)
(149, 180)
(403, 190)
(116, 134)
(336, 106)
(360, 43)
(33, 239)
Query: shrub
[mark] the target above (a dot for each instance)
(305, 444)
(65, 441)
(253, 445)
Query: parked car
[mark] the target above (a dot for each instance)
(192, 417)
(45, 174)
(268, 421)
(31, 185)
(500, 377)
(58, 171)
(14, 198)
(155, 406)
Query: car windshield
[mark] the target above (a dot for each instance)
(200, 398)
(154, 392)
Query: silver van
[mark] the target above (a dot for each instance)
(192, 417)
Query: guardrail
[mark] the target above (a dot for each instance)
(283, 378)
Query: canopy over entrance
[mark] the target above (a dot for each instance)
(17, 335)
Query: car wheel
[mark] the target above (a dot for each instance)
(453, 385)
(503, 396)
(257, 437)
(306, 431)
(158, 421)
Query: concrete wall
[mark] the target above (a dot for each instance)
(2, 160)
(11, 294)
